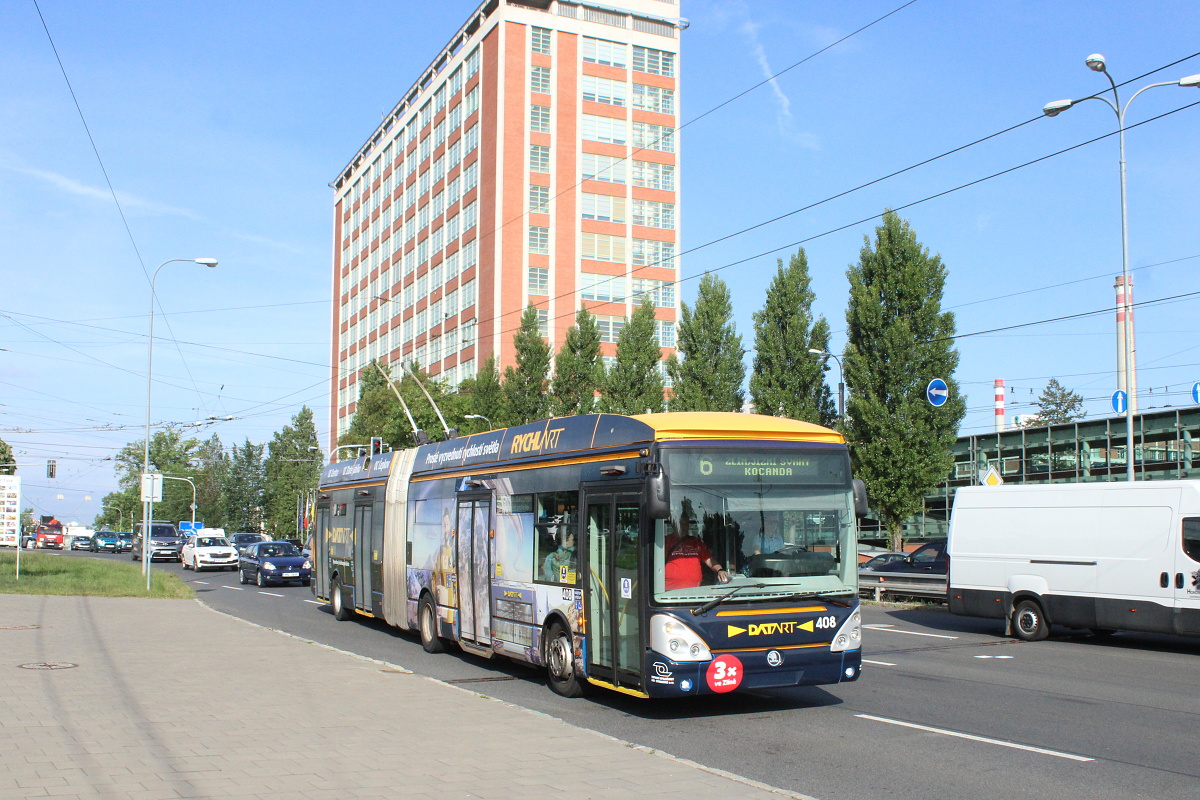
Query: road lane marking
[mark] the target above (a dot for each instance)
(992, 656)
(974, 738)
(204, 582)
(888, 629)
(235, 588)
(314, 602)
(878, 663)
(272, 594)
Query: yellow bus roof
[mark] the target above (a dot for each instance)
(729, 425)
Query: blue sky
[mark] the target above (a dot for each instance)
(221, 124)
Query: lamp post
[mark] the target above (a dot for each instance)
(1096, 63)
(147, 493)
(841, 381)
(189, 482)
(478, 416)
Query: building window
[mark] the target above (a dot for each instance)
(655, 62)
(473, 62)
(602, 168)
(451, 264)
(539, 40)
(602, 247)
(539, 240)
(426, 114)
(539, 199)
(602, 51)
(453, 191)
(539, 158)
(654, 137)
(471, 103)
(603, 207)
(653, 214)
(471, 138)
(605, 129)
(471, 176)
(602, 288)
(539, 119)
(454, 118)
(470, 254)
(650, 175)
(456, 80)
(470, 216)
(539, 281)
(610, 329)
(603, 90)
(654, 98)
(664, 332)
(539, 79)
(439, 98)
(468, 294)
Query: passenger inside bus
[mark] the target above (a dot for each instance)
(561, 559)
(686, 554)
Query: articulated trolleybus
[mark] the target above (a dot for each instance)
(662, 555)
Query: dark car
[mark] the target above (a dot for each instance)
(241, 541)
(274, 562)
(883, 558)
(164, 542)
(929, 559)
(105, 541)
(124, 541)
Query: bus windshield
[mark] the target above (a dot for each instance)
(782, 517)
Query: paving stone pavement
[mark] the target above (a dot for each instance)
(157, 707)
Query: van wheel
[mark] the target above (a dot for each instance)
(1028, 622)
(340, 612)
(560, 662)
(428, 624)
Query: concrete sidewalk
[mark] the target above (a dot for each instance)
(159, 706)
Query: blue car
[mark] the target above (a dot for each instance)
(105, 541)
(274, 562)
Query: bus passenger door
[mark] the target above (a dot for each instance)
(376, 600)
(320, 553)
(362, 556)
(474, 568)
(612, 588)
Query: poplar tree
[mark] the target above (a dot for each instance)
(578, 371)
(292, 466)
(787, 380)
(709, 376)
(634, 385)
(245, 488)
(899, 340)
(525, 383)
(486, 398)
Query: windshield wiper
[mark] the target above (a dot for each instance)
(716, 601)
(818, 596)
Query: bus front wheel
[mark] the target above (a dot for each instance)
(560, 662)
(340, 612)
(427, 623)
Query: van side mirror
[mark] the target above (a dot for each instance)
(658, 493)
(860, 498)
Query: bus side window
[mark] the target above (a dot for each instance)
(557, 523)
(1191, 538)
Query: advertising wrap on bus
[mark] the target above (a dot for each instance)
(658, 555)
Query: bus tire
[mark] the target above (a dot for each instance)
(1029, 622)
(560, 662)
(428, 626)
(340, 612)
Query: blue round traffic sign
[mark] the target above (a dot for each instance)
(1196, 392)
(937, 392)
(1119, 400)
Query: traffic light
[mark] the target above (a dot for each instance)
(376, 445)
(51, 468)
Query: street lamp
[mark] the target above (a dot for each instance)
(478, 416)
(147, 493)
(1096, 63)
(841, 381)
(120, 514)
(189, 481)
(333, 455)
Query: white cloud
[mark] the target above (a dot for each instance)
(783, 117)
(128, 201)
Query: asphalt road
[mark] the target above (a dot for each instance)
(947, 706)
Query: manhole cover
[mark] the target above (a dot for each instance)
(18, 627)
(49, 665)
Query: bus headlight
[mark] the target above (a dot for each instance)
(676, 641)
(849, 636)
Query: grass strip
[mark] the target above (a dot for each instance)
(42, 573)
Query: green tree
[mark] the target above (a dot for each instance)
(1057, 404)
(292, 467)
(710, 375)
(210, 465)
(578, 371)
(635, 385)
(525, 383)
(899, 340)
(484, 396)
(379, 413)
(245, 488)
(171, 453)
(8, 459)
(787, 380)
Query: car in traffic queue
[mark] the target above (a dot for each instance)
(881, 559)
(928, 559)
(266, 563)
(105, 541)
(164, 542)
(243, 540)
(81, 543)
(124, 541)
(208, 552)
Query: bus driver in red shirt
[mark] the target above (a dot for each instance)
(685, 553)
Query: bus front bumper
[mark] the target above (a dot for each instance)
(749, 670)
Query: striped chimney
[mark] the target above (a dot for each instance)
(999, 387)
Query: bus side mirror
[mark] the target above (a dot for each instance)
(860, 498)
(658, 493)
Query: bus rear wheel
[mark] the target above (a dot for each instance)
(340, 612)
(560, 662)
(1028, 622)
(427, 623)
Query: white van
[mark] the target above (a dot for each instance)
(1105, 556)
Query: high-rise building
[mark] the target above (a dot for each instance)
(535, 161)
